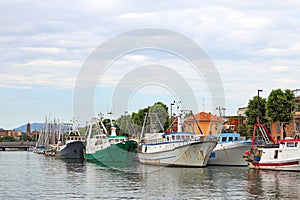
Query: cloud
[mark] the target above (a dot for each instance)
(279, 68)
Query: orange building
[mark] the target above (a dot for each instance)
(13, 133)
(210, 124)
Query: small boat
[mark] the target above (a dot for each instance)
(230, 150)
(283, 155)
(39, 149)
(74, 145)
(110, 150)
(178, 149)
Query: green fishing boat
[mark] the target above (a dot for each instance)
(110, 150)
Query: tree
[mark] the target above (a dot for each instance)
(280, 105)
(252, 112)
(7, 139)
(161, 110)
(133, 124)
(26, 137)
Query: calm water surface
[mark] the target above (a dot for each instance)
(25, 175)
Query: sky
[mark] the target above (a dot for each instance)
(44, 46)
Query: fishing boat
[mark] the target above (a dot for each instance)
(282, 155)
(230, 150)
(109, 149)
(74, 146)
(178, 149)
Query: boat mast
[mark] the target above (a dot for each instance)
(112, 129)
(179, 121)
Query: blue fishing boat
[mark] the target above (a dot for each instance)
(230, 150)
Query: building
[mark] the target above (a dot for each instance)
(28, 131)
(12, 133)
(242, 111)
(209, 124)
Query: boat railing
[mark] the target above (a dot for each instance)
(270, 146)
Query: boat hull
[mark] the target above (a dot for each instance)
(195, 154)
(287, 165)
(73, 150)
(124, 152)
(230, 154)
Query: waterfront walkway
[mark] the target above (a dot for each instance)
(16, 146)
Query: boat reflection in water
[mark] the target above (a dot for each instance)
(274, 184)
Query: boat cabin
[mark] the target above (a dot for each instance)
(75, 138)
(289, 143)
(228, 137)
(171, 137)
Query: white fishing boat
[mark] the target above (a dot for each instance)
(230, 150)
(283, 155)
(180, 148)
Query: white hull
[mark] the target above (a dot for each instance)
(230, 154)
(282, 156)
(194, 154)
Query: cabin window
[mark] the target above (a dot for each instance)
(177, 137)
(236, 138)
(224, 139)
(122, 140)
(230, 139)
(173, 137)
(117, 140)
(290, 144)
(296, 144)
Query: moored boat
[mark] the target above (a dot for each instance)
(185, 149)
(110, 150)
(230, 150)
(74, 146)
(285, 155)
(180, 148)
(282, 155)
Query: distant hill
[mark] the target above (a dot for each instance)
(33, 126)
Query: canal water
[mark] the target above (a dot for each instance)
(25, 175)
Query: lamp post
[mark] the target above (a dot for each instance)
(172, 104)
(258, 105)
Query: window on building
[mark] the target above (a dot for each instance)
(278, 129)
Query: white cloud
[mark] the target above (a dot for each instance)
(253, 44)
(279, 68)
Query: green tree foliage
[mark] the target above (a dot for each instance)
(132, 125)
(252, 113)
(280, 105)
(7, 139)
(26, 137)
(161, 110)
(252, 110)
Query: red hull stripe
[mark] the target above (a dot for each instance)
(290, 140)
(276, 164)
